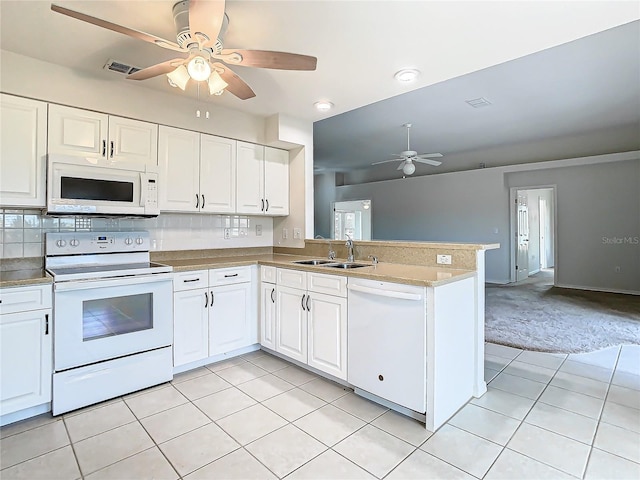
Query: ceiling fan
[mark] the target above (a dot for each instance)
(409, 156)
(200, 29)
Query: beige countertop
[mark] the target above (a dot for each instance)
(387, 272)
(15, 278)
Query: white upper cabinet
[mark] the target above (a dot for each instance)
(129, 144)
(179, 169)
(263, 180)
(197, 172)
(250, 179)
(23, 143)
(217, 174)
(276, 181)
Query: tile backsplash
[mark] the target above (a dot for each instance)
(22, 232)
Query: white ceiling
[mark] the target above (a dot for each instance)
(359, 44)
(559, 88)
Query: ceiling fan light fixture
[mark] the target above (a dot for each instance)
(407, 75)
(216, 84)
(409, 168)
(199, 69)
(179, 77)
(323, 106)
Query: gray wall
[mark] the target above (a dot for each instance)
(324, 193)
(593, 201)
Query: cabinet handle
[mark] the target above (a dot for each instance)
(267, 209)
(104, 148)
(262, 209)
(273, 290)
(206, 299)
(111, 149)
(211, 299)
(46, 324)
(197, 200)
(202, 201)
(229, 276)
(308, 307)
(302, 302)
(191, 280)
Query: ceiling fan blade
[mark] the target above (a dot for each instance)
(387, 161)
(155, 70)
(161, 42)
(429, 155)
(435, 163)
(401, 166)
(206, 17)
(268, 59)
(237, 86)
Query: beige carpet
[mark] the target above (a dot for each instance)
(535, 315)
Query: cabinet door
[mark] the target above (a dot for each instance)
(291, 323)
(132, 143)
(23, 148)
(77, 132)
(229, 318)
(179, 164)
(217, 174)
(328, 334)
(190, 326)
(250, 178)
(26, 356)
(276, 181)
(268, 315)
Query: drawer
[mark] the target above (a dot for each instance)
(22, 299)
(329, 284)
(268, 274)
(292, 278)
(227, 276)
(190, 280)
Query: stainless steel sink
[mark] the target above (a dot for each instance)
(313, 262)
(347, 265)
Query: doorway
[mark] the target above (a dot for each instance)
(533, 228)
(351, 219)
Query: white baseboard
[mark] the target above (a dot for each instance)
(598, 289)
(26, 413)
(496, 282)
(215, 358)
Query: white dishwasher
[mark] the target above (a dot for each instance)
(387, 341)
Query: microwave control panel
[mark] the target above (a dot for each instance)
(150, 184)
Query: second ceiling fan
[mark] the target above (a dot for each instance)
(200, 29)
(409, 156)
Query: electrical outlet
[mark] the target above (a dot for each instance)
(285, 233)
(297, 233)
(258, 230)
(227, 233)
(443, 259)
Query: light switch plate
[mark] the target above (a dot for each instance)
(443, 259)
(258, 230)
(285, 233)
(297, 233)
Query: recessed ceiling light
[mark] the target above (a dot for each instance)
(407, 75)
(323, 106)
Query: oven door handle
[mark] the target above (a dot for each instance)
(112, 282)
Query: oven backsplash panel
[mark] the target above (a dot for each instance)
(22, 231)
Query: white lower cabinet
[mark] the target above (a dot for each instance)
(268, 315)
(25, 348)
(190, 326)
(214, 313)
(311, 327)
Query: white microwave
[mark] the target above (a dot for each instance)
(74, 188)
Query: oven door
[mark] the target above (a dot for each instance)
(103, 319)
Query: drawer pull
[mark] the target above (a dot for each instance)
(191, 280)
(231, 275)
(381, 378)
(197, 200)
(46, 324)
(111, 153)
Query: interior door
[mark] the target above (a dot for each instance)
(522, 237)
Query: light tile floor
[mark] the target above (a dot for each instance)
(257, 416)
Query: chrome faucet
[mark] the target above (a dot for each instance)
(349, 246)
(332, 253)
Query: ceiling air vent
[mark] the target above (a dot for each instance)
(120, 67)
(479, 102)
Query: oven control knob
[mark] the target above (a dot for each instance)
(139, 240)
(128, 241)
(61, 243)
(74, 243)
